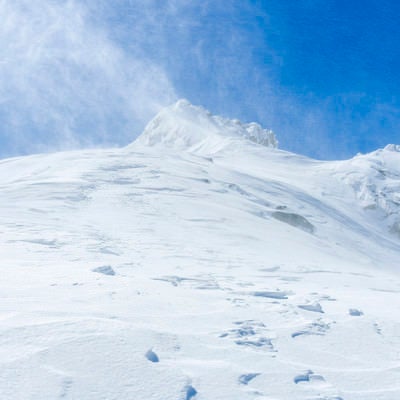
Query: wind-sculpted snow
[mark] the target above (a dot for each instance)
(161, 272)
(184, 126)
(375, 179)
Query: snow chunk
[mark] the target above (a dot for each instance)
(184, 126)
(105, 269)
(271, 295)
(315, 307)
(303, 377)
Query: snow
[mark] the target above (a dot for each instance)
(375, 180)
(185, 267)
(183, 126)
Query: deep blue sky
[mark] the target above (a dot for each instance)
(323, 74)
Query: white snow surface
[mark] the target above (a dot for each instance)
(198, 264)
(184, 126)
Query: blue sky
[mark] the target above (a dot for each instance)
(322, 74)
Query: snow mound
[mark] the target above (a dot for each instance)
(375, 179)
(393, 147)
(184, 126)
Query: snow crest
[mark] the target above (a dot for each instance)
(393, 147)
(375, 179)
(184, 126)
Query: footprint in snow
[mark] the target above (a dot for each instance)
(246, 378)
(318, 382)
(65, 387)
(308, 376)
(377, 328)
(152, 356)
(190, 392)
(355, 313)
(318, 328)
(250, 333)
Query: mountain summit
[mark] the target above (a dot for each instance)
(187, 127)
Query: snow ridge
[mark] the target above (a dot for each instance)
(393, 147)
(184, 126)
(375, 179)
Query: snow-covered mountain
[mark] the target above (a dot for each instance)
(186, 127)
(200, 262)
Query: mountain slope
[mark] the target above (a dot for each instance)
(199, 262)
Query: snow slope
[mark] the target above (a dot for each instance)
(200, 262)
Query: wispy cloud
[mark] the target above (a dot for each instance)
(64, 82)
(91, 72)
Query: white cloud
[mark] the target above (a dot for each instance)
(63, 79)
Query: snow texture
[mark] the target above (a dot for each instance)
(105, 269)
(183, 126)
(200, 262)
